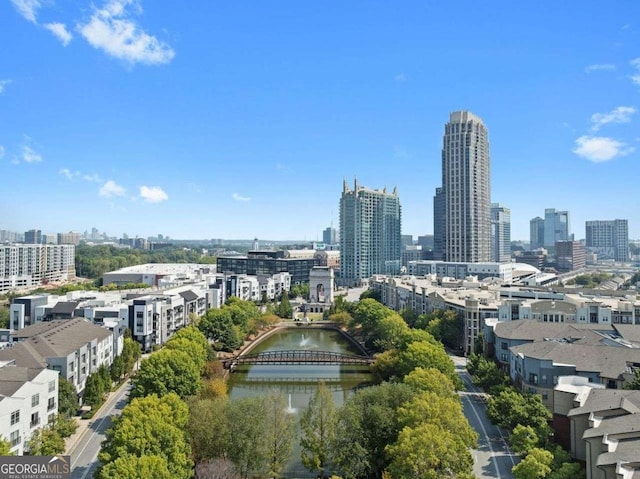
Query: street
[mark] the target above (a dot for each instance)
(492, 458)
(84, 455)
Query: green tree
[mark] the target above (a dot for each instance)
(280, 432)
(536, 465)
(247, 431)
(151, 426)
(430, 380)
(131, 352)
(4, 317)
(444, 412)
(136, 467)
(208, 427)
(45, 442)
(196, 351)
(93, 390)
(284, 309)
(370, 294)
(105, 378)
(568, 470)
(510, 408)
(218, 326)
(117, 368)
(428, 452)
(67, 398)
(65, 426)
(167, 371)
(5, 448)
(523, 439)
(635, 382)
(318, 428)
(366, 424)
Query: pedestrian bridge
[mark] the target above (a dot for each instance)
(297, 357)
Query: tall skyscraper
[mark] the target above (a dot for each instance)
(500, 233)
(463, 204)
(330, 235)
(439, 224)
(33, 237)
(556, 227)
(610, 239)
(536, 233)
(370, 231)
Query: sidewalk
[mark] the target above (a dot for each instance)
(72, 442)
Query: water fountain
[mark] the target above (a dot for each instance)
(291, 410)
(304, 342)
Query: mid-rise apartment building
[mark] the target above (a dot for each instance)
(32, 265)
(608, 238)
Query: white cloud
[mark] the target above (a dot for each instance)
(111, 30)
(92, 178)
(600, 67)
(27, 8)
(30, 156)
(68, 174)
(153, 194)
(60, 31)
(237, 197)
(3, 83)
(599, 148)
(622, 114)
(635, 63)
(110, 189)
(400, 78)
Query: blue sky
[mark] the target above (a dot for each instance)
(213, 119)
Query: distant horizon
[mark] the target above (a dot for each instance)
(235, 120)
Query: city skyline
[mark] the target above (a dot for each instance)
(231, 121)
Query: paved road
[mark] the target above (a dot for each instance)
(84, 455)
(492, 458)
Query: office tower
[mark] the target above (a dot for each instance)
(536, 233)
(609, 239)
(439, 225)
(556, 227)
(33, 237)
(330, 235)
(570, 255)
(406, 240)
(370, 222)
(463, 204)
(426, 241)
(500, 233)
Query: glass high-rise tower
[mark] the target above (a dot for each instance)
(462, 210)
(370, 233)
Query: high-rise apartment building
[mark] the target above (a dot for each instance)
(370, 232)
(556, 227)
(463, 204)
(536, 233)
(330, 235)
(500, 233)
(609, 239)
(27, 265)
(439, 224)
(33, 237)
(570, 255)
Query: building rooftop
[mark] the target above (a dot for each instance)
(533, 330)
(13, 377)
(608, 361)
(600, 400)
(60, 337)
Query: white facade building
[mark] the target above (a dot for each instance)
(28, 401)
(31, 265)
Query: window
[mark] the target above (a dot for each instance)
(545, 395)
(35, 419)
(533, 378)
(51, 404)
(35, 400)
(52, 386)
(15, 417)
(504, 345)
(15, 438)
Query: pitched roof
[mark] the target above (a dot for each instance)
(189, 295)
(609, 361)
(533, 330)
(625, 424)
(626, 451)
(13, 377)
(24, 356)
(65, 307)
(608, 400)
(61, 337)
